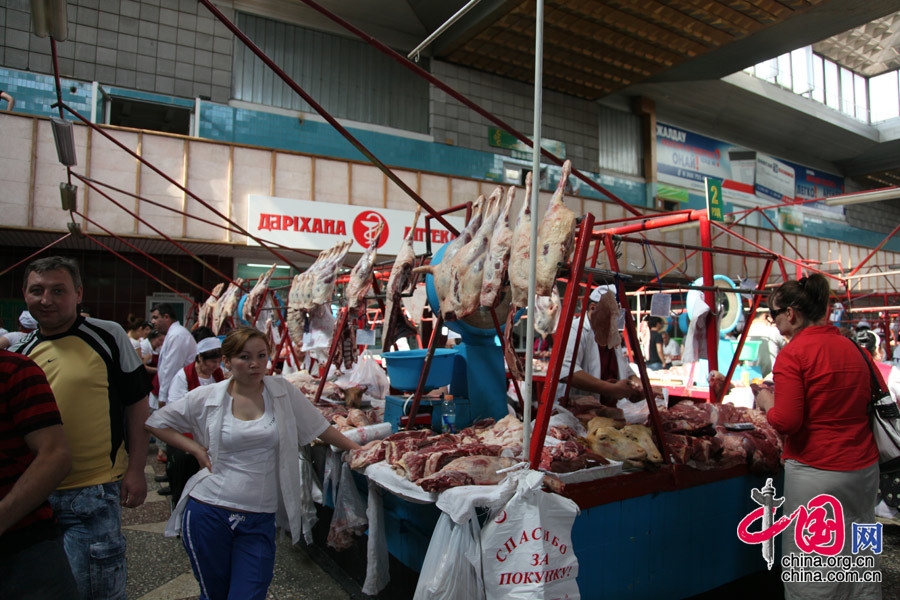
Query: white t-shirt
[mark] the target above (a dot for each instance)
(245, 474)
(179, 385)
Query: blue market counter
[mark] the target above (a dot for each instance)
(670, 534)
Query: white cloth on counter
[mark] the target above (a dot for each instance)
(385, 476)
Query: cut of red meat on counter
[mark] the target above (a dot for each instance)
(469, 470)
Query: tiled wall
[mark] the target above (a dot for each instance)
(565, 118)
(164, 46)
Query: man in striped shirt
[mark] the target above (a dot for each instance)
(34, 459)
(101, 389)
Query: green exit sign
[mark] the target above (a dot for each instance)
(714, 203)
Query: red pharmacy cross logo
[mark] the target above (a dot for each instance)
(365, 226)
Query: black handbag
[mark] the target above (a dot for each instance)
(884, 417)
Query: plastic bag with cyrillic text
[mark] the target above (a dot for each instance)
(527, 549)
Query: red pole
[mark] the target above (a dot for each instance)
(631, 331)
(144, 271)
(162, 174)
(459, 97)
(653, 223)
(331, 120)
(754, 304)
(560, 341)
(30, 256)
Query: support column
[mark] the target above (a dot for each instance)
(645, 108)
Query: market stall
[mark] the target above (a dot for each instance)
(653, 500)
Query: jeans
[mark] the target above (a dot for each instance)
(91, 521)
(232, 552)
(38, 572)
(655, 366)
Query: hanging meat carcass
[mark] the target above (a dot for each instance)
(205, 314)
(546, 313)
(317, 282)
(312, 290)
(401, 278)
(442, 272)
(556, 237)
(226, 305)
(467, 266)
(520, 253)
(498, 256)
(255, 298)
(361, 275)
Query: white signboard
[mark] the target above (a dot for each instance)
(774, 179)
(310, 225)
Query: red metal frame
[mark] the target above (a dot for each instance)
(30, 256)
(560, 340)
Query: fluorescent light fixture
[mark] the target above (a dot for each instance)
(49, 18)
(862, 197)
(68, 195)
(262, 266)
(64, 136)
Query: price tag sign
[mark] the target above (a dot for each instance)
(365, 337)
(660, 305)
(715, 205)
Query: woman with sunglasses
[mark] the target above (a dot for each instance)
(246, 433)
(205, 370)
(819, 403)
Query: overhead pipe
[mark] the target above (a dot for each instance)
(144, 271)
(457, 96)
(141, 252)
(184, 189)
(327, 116)
(30, 256)
(157, 230)
(86, 179)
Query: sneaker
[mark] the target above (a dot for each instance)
(164, 491)
(161, 478)
(885, 512)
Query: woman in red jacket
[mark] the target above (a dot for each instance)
(820, 404)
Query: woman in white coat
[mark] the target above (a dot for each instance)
(246, 433)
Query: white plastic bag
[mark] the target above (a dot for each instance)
(527, 549)
(307, 492)
(349, 517)
(370, 374)
(452, 568)
(377, 561)
(317, 342)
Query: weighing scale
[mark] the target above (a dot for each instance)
(476, 374)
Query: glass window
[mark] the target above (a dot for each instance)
(832, 86)
(784, 71)
(847, 97)
(884, 96)
(801, 70)
(818, 82)
(862, 97)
